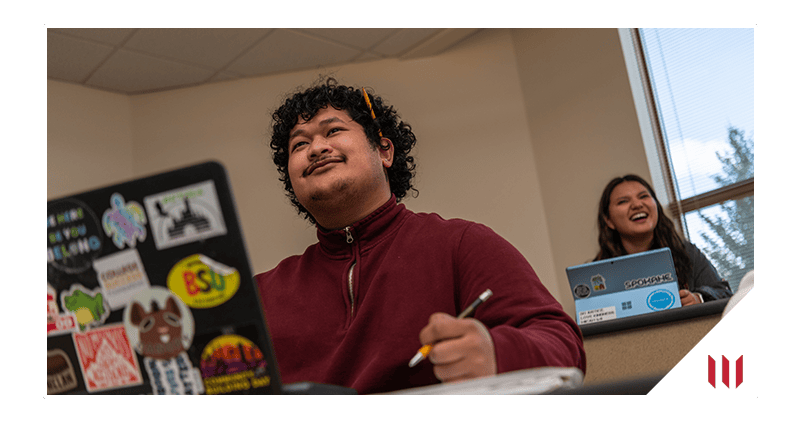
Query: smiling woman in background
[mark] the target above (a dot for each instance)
(630, 220)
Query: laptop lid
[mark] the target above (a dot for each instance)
(150, 290)
(624, 286)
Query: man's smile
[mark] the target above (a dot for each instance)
(321, 163)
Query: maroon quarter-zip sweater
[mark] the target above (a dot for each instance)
(349, 310)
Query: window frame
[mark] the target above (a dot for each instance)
(656, 149)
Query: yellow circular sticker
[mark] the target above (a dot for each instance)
(202, 282)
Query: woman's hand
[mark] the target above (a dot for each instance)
(688, 298)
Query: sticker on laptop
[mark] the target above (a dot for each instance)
(233, 363)
(58, 323)
(60, 373)
(121, 275)
(597, 315)
(660, 299)
(124, 222)
(88, 306)
(598, 282)
(107, 359)
(74, 236)
(582, 291)
(184, 215)
(202, 282)
(161, 329)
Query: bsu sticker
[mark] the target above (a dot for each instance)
(202, 282)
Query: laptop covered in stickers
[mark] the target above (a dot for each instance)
(624, 286)
(150, 291)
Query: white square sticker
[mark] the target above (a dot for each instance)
(597, 315)
(184, 215)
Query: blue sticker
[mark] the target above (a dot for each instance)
(660, 299)
(124, 222)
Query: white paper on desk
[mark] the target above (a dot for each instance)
(533, 381)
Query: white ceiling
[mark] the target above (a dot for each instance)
(135, 61)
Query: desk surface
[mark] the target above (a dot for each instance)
(647, 345)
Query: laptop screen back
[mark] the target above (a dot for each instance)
(149, 290)
(624, 286)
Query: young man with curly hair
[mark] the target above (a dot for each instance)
(382, 280)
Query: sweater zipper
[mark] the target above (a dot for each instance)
(349, 235)
(350, 275)
(350, 287)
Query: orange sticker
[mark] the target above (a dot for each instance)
(201, 282)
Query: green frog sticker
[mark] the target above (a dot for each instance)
(88, 306)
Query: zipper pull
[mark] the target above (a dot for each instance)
(348, 234)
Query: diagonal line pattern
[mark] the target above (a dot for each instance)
(778, 375)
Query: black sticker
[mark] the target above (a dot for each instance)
(74, 236)
(582, 291)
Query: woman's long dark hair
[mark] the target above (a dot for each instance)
(664, 234)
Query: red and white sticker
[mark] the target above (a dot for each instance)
(106, 358)
(58, 323)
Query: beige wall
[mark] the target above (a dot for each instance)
(584, 132)
(516, 129)
(89, 139)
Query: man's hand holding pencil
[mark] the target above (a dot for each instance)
(460, 348)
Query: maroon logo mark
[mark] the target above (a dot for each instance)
(712, 371)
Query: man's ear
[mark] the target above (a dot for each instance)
(386, 151)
